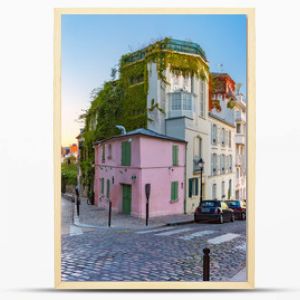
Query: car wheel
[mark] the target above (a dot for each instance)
(221, 219)
(243, 216)
(232, 218)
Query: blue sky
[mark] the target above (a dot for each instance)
(93, 44)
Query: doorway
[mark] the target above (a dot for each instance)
(126, 199)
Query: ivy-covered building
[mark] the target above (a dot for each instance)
(165, 87)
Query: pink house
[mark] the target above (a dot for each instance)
(125, 164)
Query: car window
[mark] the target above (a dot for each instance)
(210, 204)
(233, 204)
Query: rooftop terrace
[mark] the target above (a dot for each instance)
(172, 44)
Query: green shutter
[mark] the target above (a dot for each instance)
(197, 184)
(107, 188)
(174, 190)
(102, 185)
(190, 187)
(123, 154)
(126, 154)
(175, 155)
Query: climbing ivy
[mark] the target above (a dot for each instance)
(124, 101)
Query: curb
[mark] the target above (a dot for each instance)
(180, 223)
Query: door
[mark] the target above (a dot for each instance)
(126, 195)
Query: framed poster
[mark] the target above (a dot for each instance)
(154, 125)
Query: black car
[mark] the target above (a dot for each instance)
(239, 207)
(214, 210)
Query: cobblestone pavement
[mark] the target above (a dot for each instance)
(170, 253)
(90, 214)
(67, 220)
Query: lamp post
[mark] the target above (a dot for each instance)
(201, 165)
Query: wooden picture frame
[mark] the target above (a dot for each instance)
(251, 140)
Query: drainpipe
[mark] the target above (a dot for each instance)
(122, 128)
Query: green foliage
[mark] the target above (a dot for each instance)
(124, 101)
(68, 174)
(231, 103)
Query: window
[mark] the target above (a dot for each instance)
(192, 84)
(175, 155)
(214, 191)
(202, 98)
(214, 165)
(223, 189)
(223, 136)
(197, 147)
(238, 128)
(226, 163)
(174, 190)
(126, 153)
(109, 152)
(229, 189)
(107, 188)
(181, 101)
(176, 101)
(197, 152)
(103, 153)
(136, 79)
(214, 134)
(187, 101)
(230, 163)
(102, 185)
(229, 139)
(193, 187)
(222, 163)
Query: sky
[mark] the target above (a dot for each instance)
(93, 44)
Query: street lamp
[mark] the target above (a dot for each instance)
(201, 165)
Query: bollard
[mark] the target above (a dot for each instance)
(109, 214)
(206, 264)
(147, 213)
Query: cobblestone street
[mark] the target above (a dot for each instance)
(161, 253)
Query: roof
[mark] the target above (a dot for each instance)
(172, 44)
(144, 132)
(212, 115)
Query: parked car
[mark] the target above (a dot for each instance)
(239, 207)
(214, 210)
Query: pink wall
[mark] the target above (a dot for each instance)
(151, 162)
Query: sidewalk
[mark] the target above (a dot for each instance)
(95, 216)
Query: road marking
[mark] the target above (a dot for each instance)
(74, 230)
(242, 247)
(196, 234)
(223, 238)
(154, 230)
(173, 232)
